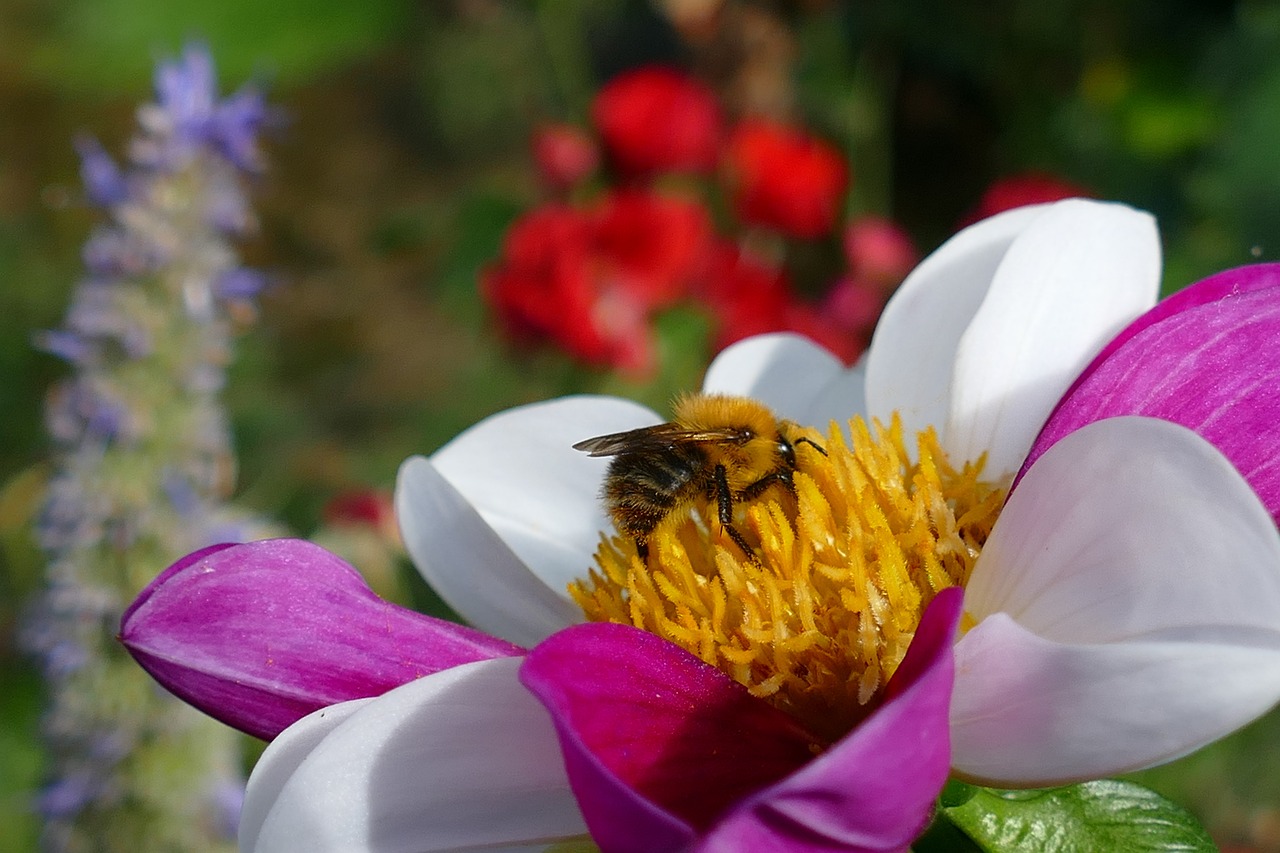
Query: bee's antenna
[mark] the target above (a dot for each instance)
(811, 443)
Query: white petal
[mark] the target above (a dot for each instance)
(1030, 712)
(469, 564)
(794, 376)
(1076, 275)
(785, 371)
(463, 759)
(913, 350)
(519, 469)
(1128, 603)
(843, 397)
(279, 761)
(510, 497)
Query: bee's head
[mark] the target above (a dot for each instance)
(787, 445)
(786, 452)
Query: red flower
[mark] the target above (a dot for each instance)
(652, 242)
(879, 255)
(854, 304)
(588, 280)
(878, 251)
(783, 178)
(658, 119)
(564, 154)
(1022, 189)
(360, 508)
(541, 290)
(748, 296)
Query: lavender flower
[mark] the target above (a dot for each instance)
(144, 467)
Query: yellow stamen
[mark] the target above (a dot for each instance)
(818, 618)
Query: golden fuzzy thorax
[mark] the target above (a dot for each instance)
(747, 463)
(818, 618)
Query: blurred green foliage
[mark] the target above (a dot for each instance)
(404, 157)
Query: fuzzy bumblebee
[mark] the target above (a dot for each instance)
(718, 448)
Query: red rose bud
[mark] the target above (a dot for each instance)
(785, 179)
(854, 304)
(657, 119)
(744, 294)
(565, 155)
(652, 242)
(540, 289)
(361, 508)
(879, 251)
(1022, 189)
(588, 280)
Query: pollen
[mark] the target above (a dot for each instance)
(819, 615)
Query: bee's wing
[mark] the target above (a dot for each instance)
(649, 439)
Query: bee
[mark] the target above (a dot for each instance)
(717, 447)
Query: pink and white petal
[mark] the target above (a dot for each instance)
(1232, 282)
(1028, 711)
(787, 372)
(913, 351)
(1125, 527)
(1075, 276)
(261, 634)
(279, 761)
(874, 790)
(471, 567)
(460, 760)
(519, 470)
(1213, 367)
(1135, 541)
(658, 743)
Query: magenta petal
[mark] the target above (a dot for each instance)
(1230, 282)
(657, 743)
(1207, 358)
(262, 634)
(661, 748)
(874, 790)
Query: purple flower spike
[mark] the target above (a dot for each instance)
(103, 181)
(262, 634)
(1207, 358)
(665, 752)
(186, 88)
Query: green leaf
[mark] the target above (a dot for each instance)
(956, 793)
(1105, 815)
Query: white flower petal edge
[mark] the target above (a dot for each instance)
(286, 752)
(509, 505)
(1127, 607)
(986, 334)
(785, 371)
(469, 564)
(913, 349)
(792, 375)
(843, 397)
(1077, 275)
(459, 760)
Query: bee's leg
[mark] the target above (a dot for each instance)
(642, 548)
(781, 477)
(724, 505)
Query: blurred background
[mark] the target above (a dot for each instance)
(405, 152)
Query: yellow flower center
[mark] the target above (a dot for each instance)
(818, 618)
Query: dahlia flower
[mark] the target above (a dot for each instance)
(1120, 577)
